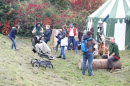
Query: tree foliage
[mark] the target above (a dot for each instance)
(48, 12)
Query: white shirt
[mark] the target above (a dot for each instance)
(72, 32)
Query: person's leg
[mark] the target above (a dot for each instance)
(12, 41)
(63, 51)
(90, 60)
(69, 40)
(36, 41)
(57, 47)
(110, 61)
(76, 49)
(84, 63)
(104, 56)
(73, 42)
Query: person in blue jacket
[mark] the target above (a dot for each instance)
(12, 36)
(59, 39)
(47, 34)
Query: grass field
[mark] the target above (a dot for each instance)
(16, 70)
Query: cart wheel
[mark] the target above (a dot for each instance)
(33, 60)
(36, 64)
(50, 66)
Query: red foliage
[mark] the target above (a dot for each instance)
(85, 4)
(6, 28)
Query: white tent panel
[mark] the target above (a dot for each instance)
(108, 9)
(120, 10)
(119, 35)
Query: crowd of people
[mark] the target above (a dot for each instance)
(66, 37)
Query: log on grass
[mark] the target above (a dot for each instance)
(101, 64)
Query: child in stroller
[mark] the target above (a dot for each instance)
(44, 52)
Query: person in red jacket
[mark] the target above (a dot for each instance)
(72, 32)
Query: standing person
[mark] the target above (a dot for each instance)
(47, 34)
(72, 32)
(76, 44)
(88, 55)
(92, 30)
(59, 39)
(37, 31)
(113, 54)
(80, 33)
(63, 42)
(12, 36)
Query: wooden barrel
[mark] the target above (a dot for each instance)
(101, 64)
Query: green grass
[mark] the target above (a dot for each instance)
(16, 70)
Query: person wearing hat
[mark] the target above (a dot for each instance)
(88, 55)
(72, 32)
(38, 32)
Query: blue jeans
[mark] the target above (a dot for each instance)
(70, 39)
(13, 42)
(76, 49)
(58, 43)
(89, 57)
(62, 51)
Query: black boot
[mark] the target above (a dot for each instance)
(58, 57)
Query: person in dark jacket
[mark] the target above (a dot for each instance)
(47, 34)
(88, 55)
(12, 36)
(76, 44)
(59, 39)
(64, 34)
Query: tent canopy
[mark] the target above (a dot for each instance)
(115, 26)
(128, 15)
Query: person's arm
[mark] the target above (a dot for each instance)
(57, 36)
(34, 31)
(47, 33)
(76, 32)
(113, 54)
(93, 42)
(63, 35)
(41, 30)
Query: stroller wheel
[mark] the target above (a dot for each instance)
(33, 60)
(36, 64)
(50, 66)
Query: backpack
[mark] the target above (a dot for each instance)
(84, 45)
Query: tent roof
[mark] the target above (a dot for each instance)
(128, 15)
(116, 9)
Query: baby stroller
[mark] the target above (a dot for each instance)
(41, 62)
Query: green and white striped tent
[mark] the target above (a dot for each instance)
(115, 26)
